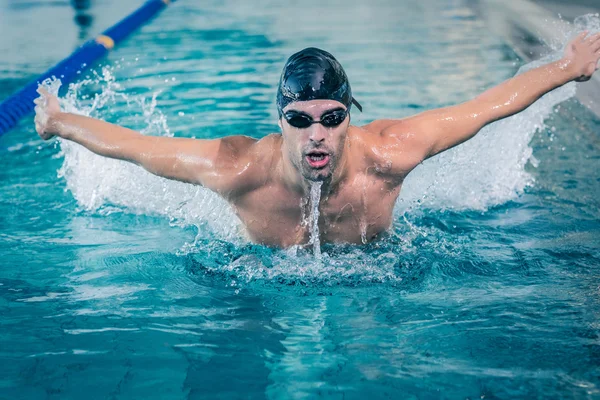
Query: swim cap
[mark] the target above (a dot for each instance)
(313, 74)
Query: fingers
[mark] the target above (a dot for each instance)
(596, 44)
(39, 110)
(40, 119)
(592, 40)
(581, 36)
(41, 90)
(43, 99)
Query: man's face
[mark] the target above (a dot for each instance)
(315, 150)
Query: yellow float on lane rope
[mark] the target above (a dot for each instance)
(105, 41)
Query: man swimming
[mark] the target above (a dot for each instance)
(361, 169)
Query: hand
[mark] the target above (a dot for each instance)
(46, 109)
(582, 55)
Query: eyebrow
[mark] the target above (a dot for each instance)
(324, 113)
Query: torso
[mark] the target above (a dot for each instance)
(357, 211)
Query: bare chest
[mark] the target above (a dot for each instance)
(356, 213)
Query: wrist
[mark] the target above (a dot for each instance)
(55, 124)
(567, 67)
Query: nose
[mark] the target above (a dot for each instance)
(317, 133)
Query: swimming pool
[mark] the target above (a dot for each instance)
(117, 284)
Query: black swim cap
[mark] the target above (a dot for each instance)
(313, 74)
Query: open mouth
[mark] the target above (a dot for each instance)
(317, 159)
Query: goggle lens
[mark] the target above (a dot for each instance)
(333, 119)
(299, 121)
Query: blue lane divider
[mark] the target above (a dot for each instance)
(21, 103)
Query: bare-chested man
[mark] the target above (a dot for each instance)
(268, 181)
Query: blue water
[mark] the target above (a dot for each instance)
(118, 284)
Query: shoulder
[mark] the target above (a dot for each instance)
(269, 142)
(383, 130)
(236, 145)
(247, 146)
(249, 162)
(390, 146)
(240, 150)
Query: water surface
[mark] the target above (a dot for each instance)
(118, 284)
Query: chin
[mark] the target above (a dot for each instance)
(318, 176)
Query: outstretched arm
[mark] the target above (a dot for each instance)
(211, 163)
(432, 132)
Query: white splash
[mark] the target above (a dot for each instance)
(105, 185)
(491, 168)
(296, 267)
(315, 199)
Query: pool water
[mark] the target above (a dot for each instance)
(118, 284)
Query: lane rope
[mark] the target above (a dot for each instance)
(21, 104)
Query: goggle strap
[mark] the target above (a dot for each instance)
(357, 104)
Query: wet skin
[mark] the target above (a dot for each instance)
(357, 195)
(268, 181)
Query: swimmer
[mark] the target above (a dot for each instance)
(361, 168)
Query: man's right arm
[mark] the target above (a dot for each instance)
(211, 163)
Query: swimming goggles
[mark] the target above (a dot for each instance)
(328, 120)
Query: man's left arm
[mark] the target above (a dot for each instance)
(437, 130)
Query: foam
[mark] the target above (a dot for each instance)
(489, 169)
(104, 185)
